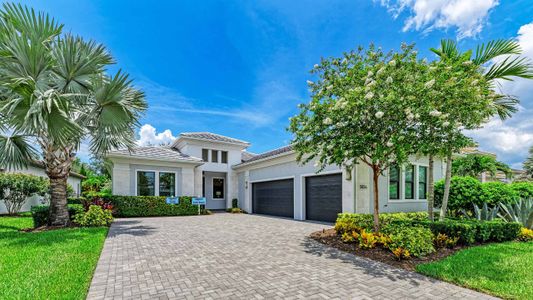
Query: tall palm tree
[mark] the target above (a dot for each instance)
(498, 60)
(54, 94)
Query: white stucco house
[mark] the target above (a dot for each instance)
(37, 168)
(273, 183)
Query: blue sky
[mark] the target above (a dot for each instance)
(239, 68)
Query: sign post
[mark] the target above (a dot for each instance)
(198, 201)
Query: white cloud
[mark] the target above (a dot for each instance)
(466, 16)
(511, 139)
(149, 136)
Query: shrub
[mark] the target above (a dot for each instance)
(94, 217)
(494, 192)
(464, 191)
(40, 213)
(442, 240)
(234, 203)
(401, 253)
(96, 186)
(76, 200)
(521, 212)
(416, 240)
(150, 206)
(235, 210)
(16, 188)
(348, 222)
(104, 204)
(367, 240)
(524, 189)
(525, 235)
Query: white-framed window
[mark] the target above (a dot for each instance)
(205, 155)
(408, 183)
(224, 157)
(214, 156)
(218, 188)
(155, 183)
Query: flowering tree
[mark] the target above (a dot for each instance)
(363, 109)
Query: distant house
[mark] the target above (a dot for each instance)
(273, 183)
(37, 168)
(499, 176)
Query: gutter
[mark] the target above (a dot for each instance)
(244, 164)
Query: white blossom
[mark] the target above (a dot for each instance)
(369, 95)
(315, 66)
(410, 116)
(475, 82)
(329, 87)
(429, 84)
(446, 124)
(390, 144)
(309, 82)
(417, 116)
(344, 61)
(379, 114)
(435, 113)
(327, 121)
(407, 110)
(381, 70)
(389, 80)
(392, 63)
(370, 74)
(467, 63)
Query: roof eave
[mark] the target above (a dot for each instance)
(243, 144)
(244, 164)
(187, 161)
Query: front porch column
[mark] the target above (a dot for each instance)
(198, 182)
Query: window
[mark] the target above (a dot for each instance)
(218, 188)
(145, 183)
(410, 182)
(205, 154)
(422, 182)
(394, 182)
(214, 156)
(167, 184)
(224, 157)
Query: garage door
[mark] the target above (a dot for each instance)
(273, 198)
(323, 197)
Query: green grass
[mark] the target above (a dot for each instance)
(56, 264)
(504, 270)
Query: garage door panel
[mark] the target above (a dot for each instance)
(273, 198)
(323, 197)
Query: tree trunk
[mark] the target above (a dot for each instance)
(447, 182)
(58, 161)
(431, 189)
(376, 198)
(58, 202)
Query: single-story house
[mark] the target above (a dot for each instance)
(37, 168)
(272, 183)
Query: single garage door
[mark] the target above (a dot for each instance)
(323, 197)
(274, 198)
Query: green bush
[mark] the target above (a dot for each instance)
(464, 191)
(524, 189)
(348, 222)
(470, 231)
(494, 192)
(40, 213)
(418, 240)
(15, 188)
(150, 206)
(94, 217)
(75, 200)
(234, 203)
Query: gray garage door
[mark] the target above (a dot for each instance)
(323, 197)
(273, 198)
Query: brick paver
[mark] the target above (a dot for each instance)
(248, 257)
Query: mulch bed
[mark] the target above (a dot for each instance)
(329, 237)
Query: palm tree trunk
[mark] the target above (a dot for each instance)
(431, 188)
(375, 170)
(447, 182)
(58, 162)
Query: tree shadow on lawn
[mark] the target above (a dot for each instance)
(128, 227)
(368, 266)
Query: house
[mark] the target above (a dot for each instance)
(37, 168)
(272, 183)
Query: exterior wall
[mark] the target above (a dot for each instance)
(75, 182)
(211, 202)
(125, 175)
(286, 167)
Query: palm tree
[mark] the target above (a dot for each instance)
(528, 163)
(54, 94)
(498, 60)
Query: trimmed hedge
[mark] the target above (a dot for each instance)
(150, 206)
(524, 189)
(463, 192)
(348, 222)
(470, 231)
(40, 213)
(494, 192)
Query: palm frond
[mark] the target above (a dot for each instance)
(510, 67)
(16, 151)
(495, 48)
(448, 49)
(505, 105)
(38, 27)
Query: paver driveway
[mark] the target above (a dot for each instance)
(244, 256)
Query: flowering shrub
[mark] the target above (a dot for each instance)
(348, 222)
(401, 253)
(94, 217)
(417, 240)
(367, 240)
(442, 240)
(525, 235)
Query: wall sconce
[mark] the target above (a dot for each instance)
(348, 173)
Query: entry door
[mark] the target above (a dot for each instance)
(323, 197)
(274, 198)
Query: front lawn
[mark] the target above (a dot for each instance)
(504, 269)
(56, 264)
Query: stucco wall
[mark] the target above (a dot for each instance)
(215, 203)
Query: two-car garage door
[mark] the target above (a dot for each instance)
(323, 197)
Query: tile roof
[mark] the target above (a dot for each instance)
(246, 156)
(158, 152)
(278, 151)
(208, 136)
